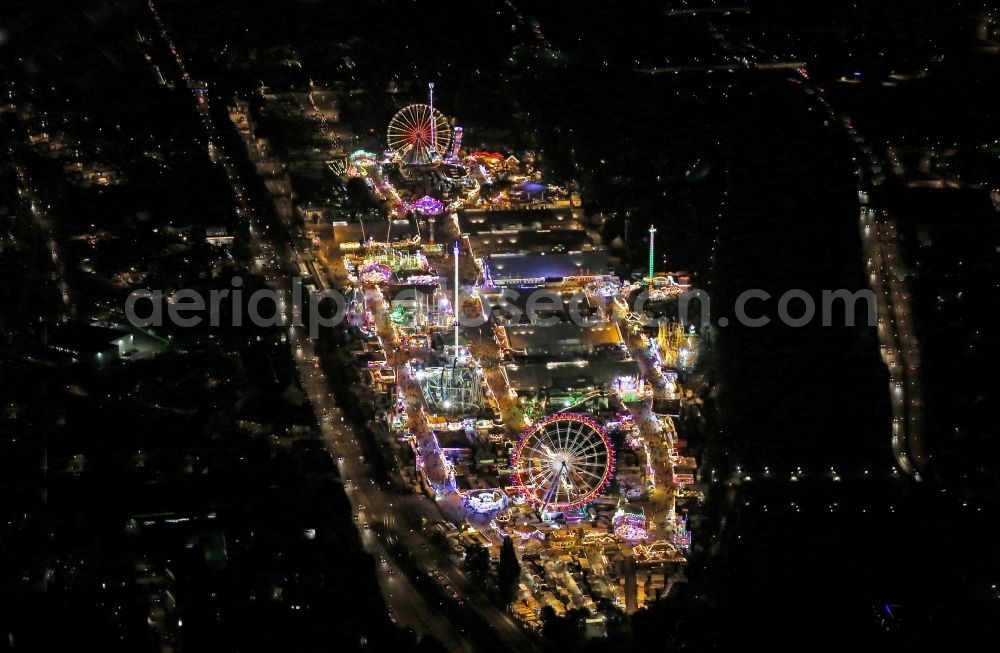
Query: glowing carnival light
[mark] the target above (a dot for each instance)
(630, 526)
(427, 205)
(486, 501)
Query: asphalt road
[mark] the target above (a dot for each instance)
(405, 603)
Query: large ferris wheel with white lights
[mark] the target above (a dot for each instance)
(563, 462)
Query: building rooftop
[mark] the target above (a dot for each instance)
(511, 304)
(536, 269)
(354, 232)
(531, 241)
(569, 375)
(565, 340)
(475, 222)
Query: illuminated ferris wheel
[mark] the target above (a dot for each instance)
(563, 462)
(418, 132)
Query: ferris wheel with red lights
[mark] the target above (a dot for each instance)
(563, 462)
(419, 133)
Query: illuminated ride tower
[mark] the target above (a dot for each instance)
(456, 143)
(652, 252)
(453, 389)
